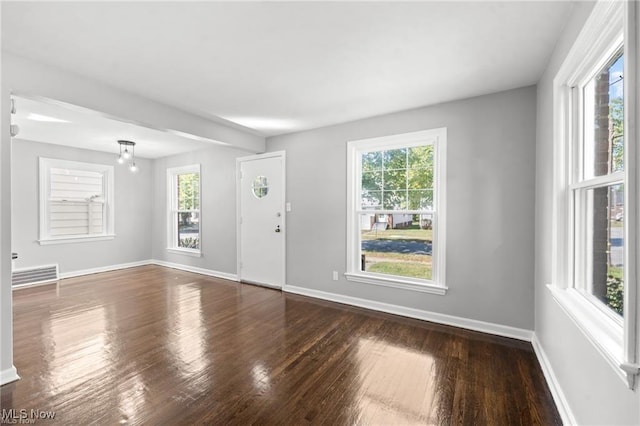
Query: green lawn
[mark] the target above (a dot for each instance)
(615, 272)
(412, 233)
(403, 269)
(616, 223)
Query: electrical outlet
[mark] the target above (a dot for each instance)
(335, 275)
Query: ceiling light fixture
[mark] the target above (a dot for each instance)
(128, 155)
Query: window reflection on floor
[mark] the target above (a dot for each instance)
(395, 384)
(261, 379)
(132, 399)
(89, 345)
(187, 341)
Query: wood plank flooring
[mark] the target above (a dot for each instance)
(152, 345)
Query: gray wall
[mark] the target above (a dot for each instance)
(218, 210)
(141, 205)
(132, 211)
(593, 391)
(490, 184)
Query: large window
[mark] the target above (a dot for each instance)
(598, 186)
(396, 211)
(595, 181)
(184, 209)
(76, 201)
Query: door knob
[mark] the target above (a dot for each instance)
(278, 228)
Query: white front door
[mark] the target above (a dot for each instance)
(261, 242)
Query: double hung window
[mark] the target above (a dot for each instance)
(184, 209)
(76, 201)
(596, 185)
(396, 211)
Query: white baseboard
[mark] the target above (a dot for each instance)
(554, 386)
(196, 270)
(72, 274)
(103, 269)
(34, 284)
(470, 324)
(9, 375)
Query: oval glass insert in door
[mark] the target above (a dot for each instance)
(260, 187)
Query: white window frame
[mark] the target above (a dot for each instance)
(609, 24)
(436, 137)
(172, 212)
(45, 165)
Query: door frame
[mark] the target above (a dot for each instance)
(239, 161)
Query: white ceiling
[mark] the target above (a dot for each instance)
(60, 124)
(284, 67)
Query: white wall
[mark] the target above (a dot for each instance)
(490, 184)
(218, 209)
(132, 211)
(594, 393)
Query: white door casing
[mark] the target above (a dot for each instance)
(261, 219)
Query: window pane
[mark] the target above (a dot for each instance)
(421, 157)
(96, 211)
(604, 219)
(421, 199)
(371, 200)
(604, 138)
(394, 159)
(67, 218)
(394, 200)
(421, 178)
(77, 185)
(395, 179)
(189, 230)
(385, 179)
(372, 181)
(260, 187)
(397, 244)
(371, 161)
(188, 191)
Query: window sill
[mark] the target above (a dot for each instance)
(70, 240)
(602, 330)
(397, 283)
(186, 252)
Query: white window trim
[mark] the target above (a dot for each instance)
(172, 194)
(438, 137)
(607, 26)
(45, 164)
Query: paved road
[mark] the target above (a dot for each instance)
(397, 246)
(617, 249)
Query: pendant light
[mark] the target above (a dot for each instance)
(128, 154)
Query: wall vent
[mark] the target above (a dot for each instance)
(37, 275)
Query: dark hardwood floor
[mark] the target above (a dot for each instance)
(152, 345)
